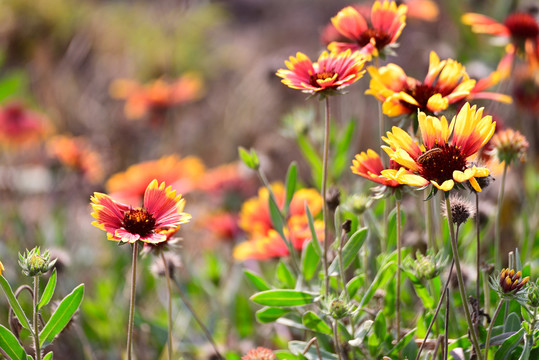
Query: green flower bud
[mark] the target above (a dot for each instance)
(338, 309)
(33, 263)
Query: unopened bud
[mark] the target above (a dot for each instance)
(33, 263)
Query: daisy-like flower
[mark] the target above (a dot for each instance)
(510, 145)
(369, 165)
(161, 215)
(182, 174)
(447, 82)
(157, 96)
(387, 22)
(75, 153)
(260, 353)
(511, 282)
(332, 73)
(438, 160)
(21, 126)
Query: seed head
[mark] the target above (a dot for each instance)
(461, 210)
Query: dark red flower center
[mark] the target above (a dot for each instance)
(522, 26)
(321, 76)
(381, 38)
(439, 163)
(422, 93)
(139, 221)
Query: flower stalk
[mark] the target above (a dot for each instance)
(399, 265)
(169, 290)
(325, 214)
(497, 231)
(35, 318)
(487, 341)
(132, 301)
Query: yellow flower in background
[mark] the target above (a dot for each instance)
(437, 160)
(1, 268)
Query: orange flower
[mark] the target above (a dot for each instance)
(181, 174)
(223, 225)
(75, 152)
(387, 22)
(328, 76)
(161, 215)
(264, 241)
(369, 165)
(227, 177)
(446, 83)
(21, 126)
(157, 96)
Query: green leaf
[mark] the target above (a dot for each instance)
(421, 291)
(298, 347)
(284, 355)
(315, 323)
(316, 242)
(10, 345)
(270, 314)
(283, 298)
(243, 317)
(58, 321)
(386, 273)
(13, 84)
(312, 157)
(350, 250)
(509, 345)
(285, 276)
(246, 157)
(392, 227)
(17, 309)
(512, 323)
(378, 335)
(48, 292)
(48, 356)
(402, 343)
(309, 261)
(291, 182)
(276, 218)
(355, 284)
(341, 158)
(528, 344)
(258, 282)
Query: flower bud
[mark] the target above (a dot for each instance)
(511, 282)
(33, 263)
(533, 294)
(510, 145)
(338, 309)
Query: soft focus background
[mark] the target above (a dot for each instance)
(59, 60)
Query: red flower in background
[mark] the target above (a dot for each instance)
(21, 126)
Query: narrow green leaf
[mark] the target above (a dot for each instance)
(276, 218)
(270, 314)
(378, 335)
(504, 351)
(315, 323)
(421, 291)
(285, 276)
(10, 345)
(62, 315)
(528, 344)
(48, 292)
(243, 317)
(350, 250)
(48, 356)
(14, 303)
(355, 284)
(283, 298)
(312, 157)
(386, 273)
(298, 347)
(258, 282)
(392, 228)
(254, 159)
(316, 242)
(402, 343)
(512, 323)
(291, 182)
(342, 149)
(309, 261)
(246, 157)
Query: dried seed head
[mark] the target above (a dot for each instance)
(333, 198)
(461, 210)
(174, 263)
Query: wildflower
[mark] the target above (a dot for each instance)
(369, 165)
(387, 22)
(447, 82)
(510, 281)
(438, 161)
(332, 73)
(161, 214)
(264, 242)
(75, 152)
(225, 178)
(526, 86)
(181, 174)
(21, 126)
(260, 353)
(156, 96)
(33, 263)
(223, 225)
(510, 145)
(461, 210)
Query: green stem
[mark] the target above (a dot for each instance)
(325, 206)
(455, 249)
(446, 326)
(430, 234)
(497, 231)
(487, 342)
(399, 265)
(188, 305)
(343, 279)
(35, 319)
(169, 290)
(336, 337)
(478, 251)
(132, 300)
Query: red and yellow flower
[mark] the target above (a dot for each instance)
(161, 215)
(331, 73)
(156, 96)
(75, 152)
(447, 82)
(21, 126)
(386, 24)
(437, 160)
(181, 173)
(264, 242)
(369, 165)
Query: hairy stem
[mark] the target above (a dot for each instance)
(497, 230)
(399, 264)
(132, 301)
(487, 342)
(35, 319)
(324, 190)
(169, 290)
